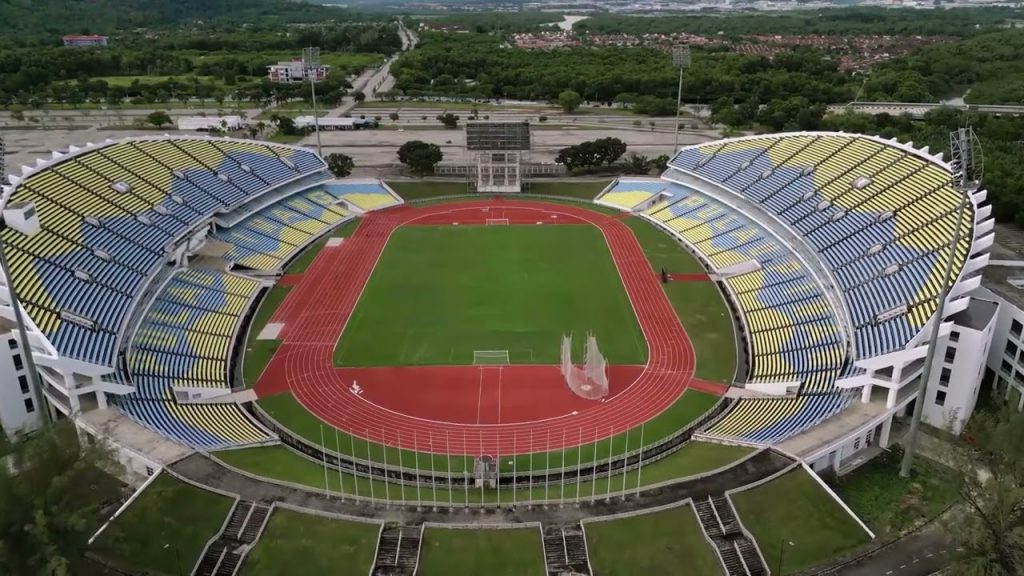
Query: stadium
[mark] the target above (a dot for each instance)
(677, 351)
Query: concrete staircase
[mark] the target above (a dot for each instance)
(565, 550)
(398, 551)
(225, 553)
(736, 550)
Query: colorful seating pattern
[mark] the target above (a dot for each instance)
(108, 214)
(265, 240)
(185, 340)
(364, 195)
(628, 193)
(880, 218)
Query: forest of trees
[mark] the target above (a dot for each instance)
(44, 21)
(227, 62)
(858, 20)
(988, 65)
(479, 66)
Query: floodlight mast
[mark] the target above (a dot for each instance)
(681, 60)
(311, 67)
(967, 168)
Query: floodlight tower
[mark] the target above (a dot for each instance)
(311, 67)
(681, 60)
(20, 217)
(966, 168)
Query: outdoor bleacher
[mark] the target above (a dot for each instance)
(185, 341)
(879, 216)
(108, 215)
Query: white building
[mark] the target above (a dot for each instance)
(207, 123)
(294, 71)
(19, 408)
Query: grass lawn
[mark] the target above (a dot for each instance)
(419, 190)
(280, 463)
(793, 508)
(168, 512)
(511, 552)
(586, 190)
(282, 138)
(440, 292)
(658, 543)
(890, 504)
(288, 412)
(321, 544)
(700, 305)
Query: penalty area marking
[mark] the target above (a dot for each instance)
(271, 330)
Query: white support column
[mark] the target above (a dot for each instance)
(865, 392)
(883, 441)
(890, 401)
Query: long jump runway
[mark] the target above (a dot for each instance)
(469, 409)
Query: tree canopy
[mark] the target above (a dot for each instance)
(340, 165)
(420, 156)
(52, 498)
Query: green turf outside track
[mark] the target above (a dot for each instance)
(499, 552)
(440, 292)
(293, 416)
(655, 543)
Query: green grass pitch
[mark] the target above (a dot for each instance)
(657, 543)
(438, 293)
(511, 552)
(322, 545)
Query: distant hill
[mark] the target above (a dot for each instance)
(59, 17)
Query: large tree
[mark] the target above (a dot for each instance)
(340, 165)
(569, 100)
(158, 118)
(53, 495)
(988, 526)
(420, 156)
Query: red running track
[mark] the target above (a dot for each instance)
(318, 306)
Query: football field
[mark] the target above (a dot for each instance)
(439, 293)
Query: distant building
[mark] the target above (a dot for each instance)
(332, 123)
(84, 41)
(207, 123)
(293, 71)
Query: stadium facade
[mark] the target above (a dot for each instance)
(830, 248)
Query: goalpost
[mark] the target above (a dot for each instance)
(490, 357)
(590, 380)
(497, 222)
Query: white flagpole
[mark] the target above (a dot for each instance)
(561, 494)
(369, 459)
(625, 451)
(497, 466)
(387, 483)
(530, 449)
(640, 463)
(416, 451)
(400, 475)
(323, 455)
(611, 447)
(593, 471)
(465, 469)
(448, 455)
(337, 446)
(547, 465)
(484, 479)
(433, 480)
(514, 435)
(579, 465)
(355, 478)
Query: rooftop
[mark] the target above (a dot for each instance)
(977, 315)
(1004, 274)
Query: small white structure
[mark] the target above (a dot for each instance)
(294, 71)
(325, 123)
(207, 123)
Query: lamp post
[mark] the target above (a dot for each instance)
(177, 557)
(681, 60)
(782, 553)
(311, 66)
(26, 223)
